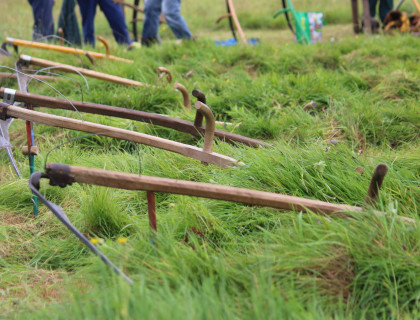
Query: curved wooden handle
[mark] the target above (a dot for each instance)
(417, 5)
(236, 21)
(105, 43)
(61, 35)
(223, 16)
(168, 73)
(210, 126)
(185, 95)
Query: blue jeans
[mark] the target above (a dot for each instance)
(171, 11)
(385, 6)
(43, 18)
(113, 14)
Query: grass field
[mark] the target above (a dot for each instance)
(248, 262)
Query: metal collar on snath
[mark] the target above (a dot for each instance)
(64, 175)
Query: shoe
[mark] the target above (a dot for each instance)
(147, 42)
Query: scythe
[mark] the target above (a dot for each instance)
(63, 175)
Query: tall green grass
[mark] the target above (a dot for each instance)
(245, 262)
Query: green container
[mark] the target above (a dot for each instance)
(302, 27)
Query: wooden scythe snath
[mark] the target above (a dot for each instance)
(86, 72)
(63, 175)
(91, 73)
(107, 131)
(8, 75)
(46, 46)
(233, 20)
(152, 118)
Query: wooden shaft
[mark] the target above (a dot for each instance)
(161, 20)
(223, 16)
(86, 72)
(46, 46)
(185, 95)
(137, 137)
(367, 21)
(355, 15)
(210, 125)
(151, 209)
(131, 6)
(152, 118)
(197, 189)
(417, 5)
(236, 21)
(14, 76)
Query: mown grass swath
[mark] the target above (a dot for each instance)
(245, 262)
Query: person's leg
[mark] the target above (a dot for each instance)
(385, 6)
(115, 16)
(172, 14)
(372, 7)
(152, 10)
(43, 18)
(88, 11)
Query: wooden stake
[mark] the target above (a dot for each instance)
(151, 210)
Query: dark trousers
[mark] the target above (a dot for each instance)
(43, 18)
(113, 14)
(385, 6)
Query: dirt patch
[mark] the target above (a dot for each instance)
(13, 219)
(334, 276)
(35, 287)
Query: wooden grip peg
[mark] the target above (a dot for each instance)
(210, 126)
(106, 45)
(376, 184)
(185, 95)
(30, 150)
(162, 70)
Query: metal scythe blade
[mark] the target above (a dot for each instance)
(5, 142)
(4, 131)
(34, 184)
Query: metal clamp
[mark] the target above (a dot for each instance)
(3, 112)
(25, 59)
(59, 175)
(9, 96)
